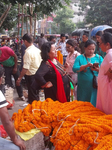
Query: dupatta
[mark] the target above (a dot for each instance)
(60, 88)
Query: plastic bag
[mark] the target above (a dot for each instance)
(3, 133)
(9, 96)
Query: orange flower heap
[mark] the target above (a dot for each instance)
(76, 125)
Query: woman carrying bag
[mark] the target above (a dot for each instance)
(83, 66)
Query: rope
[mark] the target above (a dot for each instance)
(73, 127)
(43, 128)
(88, 147)
(96, 138)
(40, 110)
(40, 128)
(36, 127)
(62, 119)
(57, 130)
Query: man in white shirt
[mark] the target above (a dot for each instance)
(5, 118)
(31, 62)
(62, 44)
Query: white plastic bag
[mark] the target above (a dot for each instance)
(9, 96)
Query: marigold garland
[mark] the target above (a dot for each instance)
(76, 125)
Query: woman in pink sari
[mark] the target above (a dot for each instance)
(104, 95)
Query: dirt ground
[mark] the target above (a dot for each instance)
(19, 104)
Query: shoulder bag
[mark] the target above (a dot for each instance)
(95, 84)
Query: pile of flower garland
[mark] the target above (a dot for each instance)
(75, 125)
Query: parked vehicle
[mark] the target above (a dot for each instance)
(104, 28)
(79, 32)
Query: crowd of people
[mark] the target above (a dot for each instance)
(82, 64)
(13, 43)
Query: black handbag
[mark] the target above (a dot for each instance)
(95, 83)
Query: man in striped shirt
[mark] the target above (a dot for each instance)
(5, 118)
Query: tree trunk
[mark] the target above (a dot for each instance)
(22, 21)
(26, 19)
(5, 15)
(31, 18)
(31, 24)
(35, 25)
(18, 18)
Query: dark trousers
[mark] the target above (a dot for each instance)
(8, 80)
(33, 94)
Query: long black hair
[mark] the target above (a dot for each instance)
(89, 42)
(107, 38)
(71, 43)
(99, 33)
(45, 49)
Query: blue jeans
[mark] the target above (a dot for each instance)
(7, 145)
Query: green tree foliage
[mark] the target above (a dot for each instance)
(41, 7)
(80, 25)
(62, 22)
(99, 12)
(11, 19)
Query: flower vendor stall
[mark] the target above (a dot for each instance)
(73, 125)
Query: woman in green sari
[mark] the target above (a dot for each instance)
(83, 66)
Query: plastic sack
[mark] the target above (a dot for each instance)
(9, 96)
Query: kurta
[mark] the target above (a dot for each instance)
(70, 60)
(46, 73)
(104, 96)
(85, 90)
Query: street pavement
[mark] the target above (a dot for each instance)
(19, 104)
